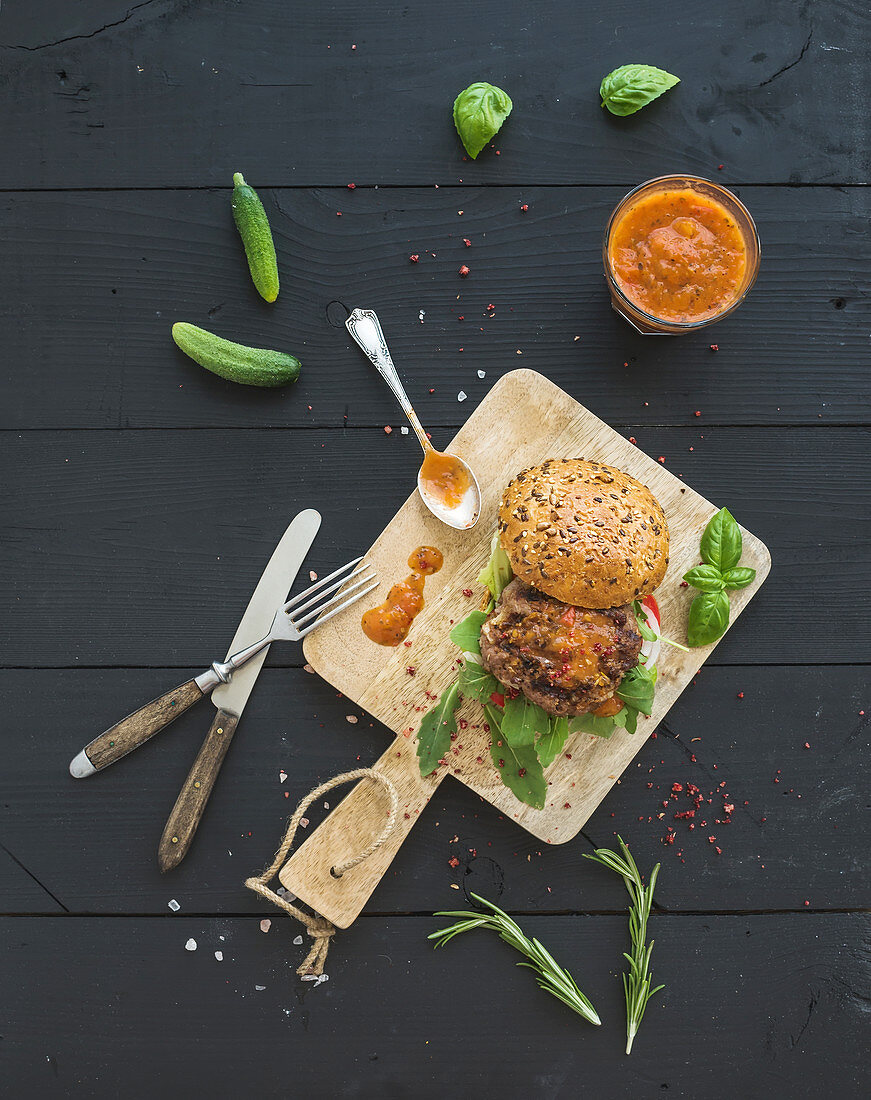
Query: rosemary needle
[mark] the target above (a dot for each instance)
(636, 983)
(550, 975)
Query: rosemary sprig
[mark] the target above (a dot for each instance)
(636, 983)
(550, 975)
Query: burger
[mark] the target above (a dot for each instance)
(573, 627)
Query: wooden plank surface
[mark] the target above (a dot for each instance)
(794, 840)
(142, 548)
(91, 283)
(163, 93)
(792, 1000)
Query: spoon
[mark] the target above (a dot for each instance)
(446, 484)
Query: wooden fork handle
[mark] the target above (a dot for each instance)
(135, 729)
(349, 827)
(185, 817)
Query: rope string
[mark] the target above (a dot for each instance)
(320, 929)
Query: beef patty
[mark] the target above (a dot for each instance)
(567, 659)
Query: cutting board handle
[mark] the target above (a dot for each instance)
(357, 819)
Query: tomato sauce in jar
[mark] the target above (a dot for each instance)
(390, 622)
(678, 254)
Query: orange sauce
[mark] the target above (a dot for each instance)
(679, 255)
(444, 479)
(390, 622)
(609, 707)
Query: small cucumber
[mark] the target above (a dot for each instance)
(253, 226)
(250, 366)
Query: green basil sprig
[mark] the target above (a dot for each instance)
(479, 112)
(631, 87)
(721, 548)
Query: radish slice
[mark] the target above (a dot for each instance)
(650, 650)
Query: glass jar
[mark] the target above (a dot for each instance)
(646, 323)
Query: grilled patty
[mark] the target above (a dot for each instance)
(569, 660)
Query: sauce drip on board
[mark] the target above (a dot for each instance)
(679, 255)
(444, 479)
(390, 622)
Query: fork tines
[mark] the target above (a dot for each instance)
(312, 597)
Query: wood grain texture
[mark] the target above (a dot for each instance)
(176, 94)
(117, 530)
(141, 725)
(91, 283)
(185, 816)
(788, 993)
(524, 420)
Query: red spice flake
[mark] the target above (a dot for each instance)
(501, 763)
(677, 787)
(491, 306)
(661, 459)
(684, 584)
(467, 592)
(740, 694)
(352, 186)
(715, 347)
(411, 670)
(387, 429)
(463, 272)
(524, 208)
(453, 862)
(467, 242)
(806, 745)
(414, 257)
(806, 902)
(728, 807)
(697, 413)
(567, 806)
(719, 851)
(568, 756)
(720, 167)
(521, 772)
(711, 839)
(633, 440)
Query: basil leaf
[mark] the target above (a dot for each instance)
(552, 741)
(476, 683)
(631, 87)
(708, 619)
(518, 765)
(479, 112)
(739, 577)
(522, 720)
(644, 629)
(721, 543)
(497, 572)
(434, 735)
(467, 634)
(707, 578)
(590, 723)
(638, 687)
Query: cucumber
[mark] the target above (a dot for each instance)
(249, 366)
(253, 226)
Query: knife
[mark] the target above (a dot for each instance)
(142, 724)
(230, 698)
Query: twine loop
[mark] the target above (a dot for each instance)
(319, 928)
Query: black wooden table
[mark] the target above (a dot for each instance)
(142, 497)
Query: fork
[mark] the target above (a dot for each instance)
(293, 621)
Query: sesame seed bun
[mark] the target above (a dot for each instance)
(584, 533)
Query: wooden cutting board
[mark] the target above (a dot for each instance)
(522, 421)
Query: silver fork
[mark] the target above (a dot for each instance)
(292, 622)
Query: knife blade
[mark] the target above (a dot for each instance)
(230, 698)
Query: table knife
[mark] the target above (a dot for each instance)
(138, 727)
(230, 698)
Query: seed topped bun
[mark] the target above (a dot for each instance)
(584, 533)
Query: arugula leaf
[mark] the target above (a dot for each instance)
(708, 618)
(476, 683)
(631, 87)
(721, 543)
(591, 723)
(707, 578)
(552, 741)
(518, 765)
(467, 633)
(522, 720)
(479, 112)
(739, 577)
(637, 688)
(434, 735)
(497, 573)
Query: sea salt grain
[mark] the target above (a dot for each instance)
(297, 940)
(481, 373)
(282, 775)
(219, 955)
(174, 905)
(265, 925)
(259, 988)
(191, 945)
(461, 396)
(403, 431)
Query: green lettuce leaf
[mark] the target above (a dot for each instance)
(497, 573)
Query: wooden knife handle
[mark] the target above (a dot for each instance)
(349, 827)
(138, 727)
(188, 809)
